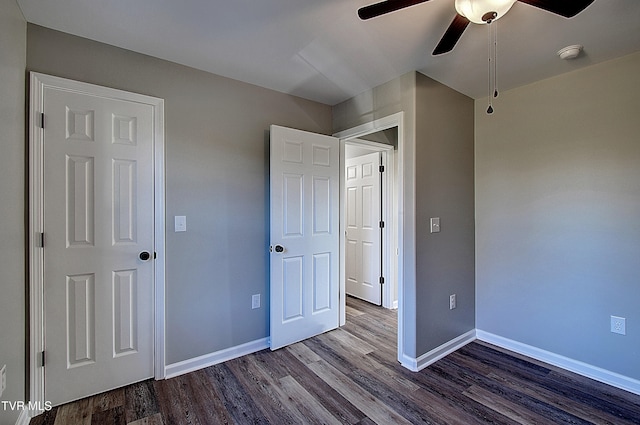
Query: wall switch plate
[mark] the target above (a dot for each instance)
(452, 301)
(3, 379)
(435, 225)
(180, 223)
(255, 301)
(618, 325)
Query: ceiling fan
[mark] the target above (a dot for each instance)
(476, 11)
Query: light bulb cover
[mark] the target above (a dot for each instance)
(474, 10)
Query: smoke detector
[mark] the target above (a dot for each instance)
(570, 52)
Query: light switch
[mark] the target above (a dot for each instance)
(435, 225)
(180, 223)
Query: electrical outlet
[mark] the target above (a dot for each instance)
(255, 301)
(618, 325)
(452, 301)
(3, 373)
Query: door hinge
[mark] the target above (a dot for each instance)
(381, 168)
(40, 240)
(382, 224)
(42, 120)
(42, 358)
(381, 280)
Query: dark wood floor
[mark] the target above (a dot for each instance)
(351, 376)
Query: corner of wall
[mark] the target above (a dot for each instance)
(12, 207)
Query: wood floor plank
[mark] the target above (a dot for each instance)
(175, 407)
(350, 341)
(303, 353)
(264, 386)
(114, 416)
(332, 400)
(260, 388)
(383, 339)
(235, 397)
(449, 393)
(580, 410)
(371, 406)
(366, 421)
(365, 363)
(46, 418)
(209, 409)
(78, 412)
(291, 405)
(621, 411)
(149, 420)
(353, 312)
(346, 350)
(272, 363)
(139, 401)
(108, 400)
(509, 363)
(352, 376)
(389, 391)
(511, 410)
(455, 372)
(310, 409)
(560, 390)
(531, 401)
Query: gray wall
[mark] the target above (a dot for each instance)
(445, 261)
(13, 40)
(216, 174)
(438, 169)
(558, 214)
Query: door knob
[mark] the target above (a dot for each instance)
(144, 255)
(279, 248)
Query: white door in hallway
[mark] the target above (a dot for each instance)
(98, 242)
(363, 233)
(304, 198)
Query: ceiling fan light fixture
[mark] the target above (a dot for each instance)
(477, 11)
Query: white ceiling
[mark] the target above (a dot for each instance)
(321, 50)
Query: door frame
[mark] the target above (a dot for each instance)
(38, 83)
(396, 213)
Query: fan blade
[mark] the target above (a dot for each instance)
(566, 8)
(383, 7)
(451, 35)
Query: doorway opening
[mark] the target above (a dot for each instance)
(368, 202)
(383, 136)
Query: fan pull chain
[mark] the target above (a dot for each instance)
(495, 59)
(489, 69)
(492, 63)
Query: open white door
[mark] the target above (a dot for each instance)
(363, 248)
(305, 177)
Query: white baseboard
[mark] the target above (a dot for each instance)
(417, 364)
(186, 366)
(584, 369)
(437, 353)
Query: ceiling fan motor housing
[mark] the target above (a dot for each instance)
(483, 11)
